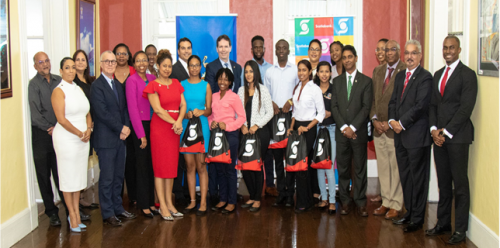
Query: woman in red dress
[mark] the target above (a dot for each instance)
(167, 100)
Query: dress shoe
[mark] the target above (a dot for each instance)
(176, 214)
(393, 213)
(412, 227)
(438, 230)
(279, 200)
(331, 208)
(149, 215)
(154, 211)
(272, 191)
(362, 211)
(376, 199)
(380, 211)
(456, 238)
(81, 225)
(323, 204)
(201, 213)
(247, 205)
(225, 211)
(344, 210)
(401, 221)
(188, 210)
(169, 218)
(54, 220)
(84, 216)
(215, 208)
(113, 221)
(127, 215)
(254, 209)
(289, 201)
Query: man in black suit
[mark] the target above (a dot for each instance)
(453, 98)
(409, 118)
(352, 96)
(180, 68)
(180, 72)
(111, 128)
(223, 61)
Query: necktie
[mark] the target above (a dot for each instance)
(226, 65)
(114, 90)
(443, 82)
(386, 83)
(349, 86)
(408, 75)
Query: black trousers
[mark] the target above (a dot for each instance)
(451, 167)
(268, 161)
(130, 167)
(348, 151)
(303, 179)
(144, 179)
(44, 157)
(254, 180)
(414, 168)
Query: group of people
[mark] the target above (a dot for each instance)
(136, 112)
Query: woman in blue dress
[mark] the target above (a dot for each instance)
(198, 95)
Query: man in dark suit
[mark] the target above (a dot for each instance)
(223, 61)
(180, 69)
(180, 72)
(111, 128)
(351, 103)
(409, 118)
(383, 137)
(454, 95)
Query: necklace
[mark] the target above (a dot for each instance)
(161, 80)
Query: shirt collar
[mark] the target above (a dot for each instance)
(263, 64)
(393, 66)
(228, 63)
(453, 65)
(42, 77)
(288, 64)
(183, 63)
(107, 78)
(353, 75)
(412, 71)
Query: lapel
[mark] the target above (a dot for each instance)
(401, 66)
(342, 96)
(451, 78)
(410, 82)
(107, 87)
(354, 87)
(381, 76)
(182, 69)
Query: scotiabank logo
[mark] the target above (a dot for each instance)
(304, 27)
(323, 26)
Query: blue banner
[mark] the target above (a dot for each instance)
(203, 32)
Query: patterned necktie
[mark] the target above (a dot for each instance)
(408, 75)
(349, 86)
(226, 65)
(114, 90)
(443, 82)
(386, 83)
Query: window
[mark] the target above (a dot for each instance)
(457, 24)
(34, 31)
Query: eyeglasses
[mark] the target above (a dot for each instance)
(315, 50)
(41, 62)
(121, 54)
(394, 49)
(195, 66)
(109, 62)
(414, 53)
(143, 61)
(379, 50)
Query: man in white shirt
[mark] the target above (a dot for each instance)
(280, 80)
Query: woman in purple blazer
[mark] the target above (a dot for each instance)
(140, 116)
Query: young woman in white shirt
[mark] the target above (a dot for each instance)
(308, 111)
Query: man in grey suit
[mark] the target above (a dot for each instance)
(351, 103)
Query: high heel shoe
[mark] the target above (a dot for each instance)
(177, 214)
(189, 210)
(149, 215)
(330, 210)
(76, 229)
(322, 204)
(169, 218)
(154, 211)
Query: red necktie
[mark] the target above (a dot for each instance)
(443, 82)
(386, 83)
(408, 75)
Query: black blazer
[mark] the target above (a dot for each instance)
(110, 115)
(178, 72)
(212, 69)
(413, 109)
(354, 111)
(452, 111)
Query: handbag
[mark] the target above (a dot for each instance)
(218, 149)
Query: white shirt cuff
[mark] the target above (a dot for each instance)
(374, 117)
(353, 128)
(402, 126)
(343, 127)
(447, 134)
(433, 128)
(389, 122)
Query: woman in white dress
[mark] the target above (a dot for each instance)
(71, 139)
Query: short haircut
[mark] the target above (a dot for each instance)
(315, 41)
(384, 40)
(182, 40)
(137, 53)
(129, 62)
(223, 37)
(228, 73)
(395, 42)
(416, 43)
(257, 37)
(107, 51)
(64, 60)
(307, 64)
(350, 48)
(162, 55)
(453, 37)
(148, 46)
(194, 57)
(284, 41)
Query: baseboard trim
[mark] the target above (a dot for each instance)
(18, 226)
(480, 234)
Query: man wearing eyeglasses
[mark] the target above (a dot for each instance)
(111, 128)
(383, 136)
(43, 121)
(409, 118)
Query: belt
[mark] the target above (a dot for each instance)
(172, 111)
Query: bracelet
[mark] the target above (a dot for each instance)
(290, 101)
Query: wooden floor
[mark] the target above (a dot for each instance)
(271, 227)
